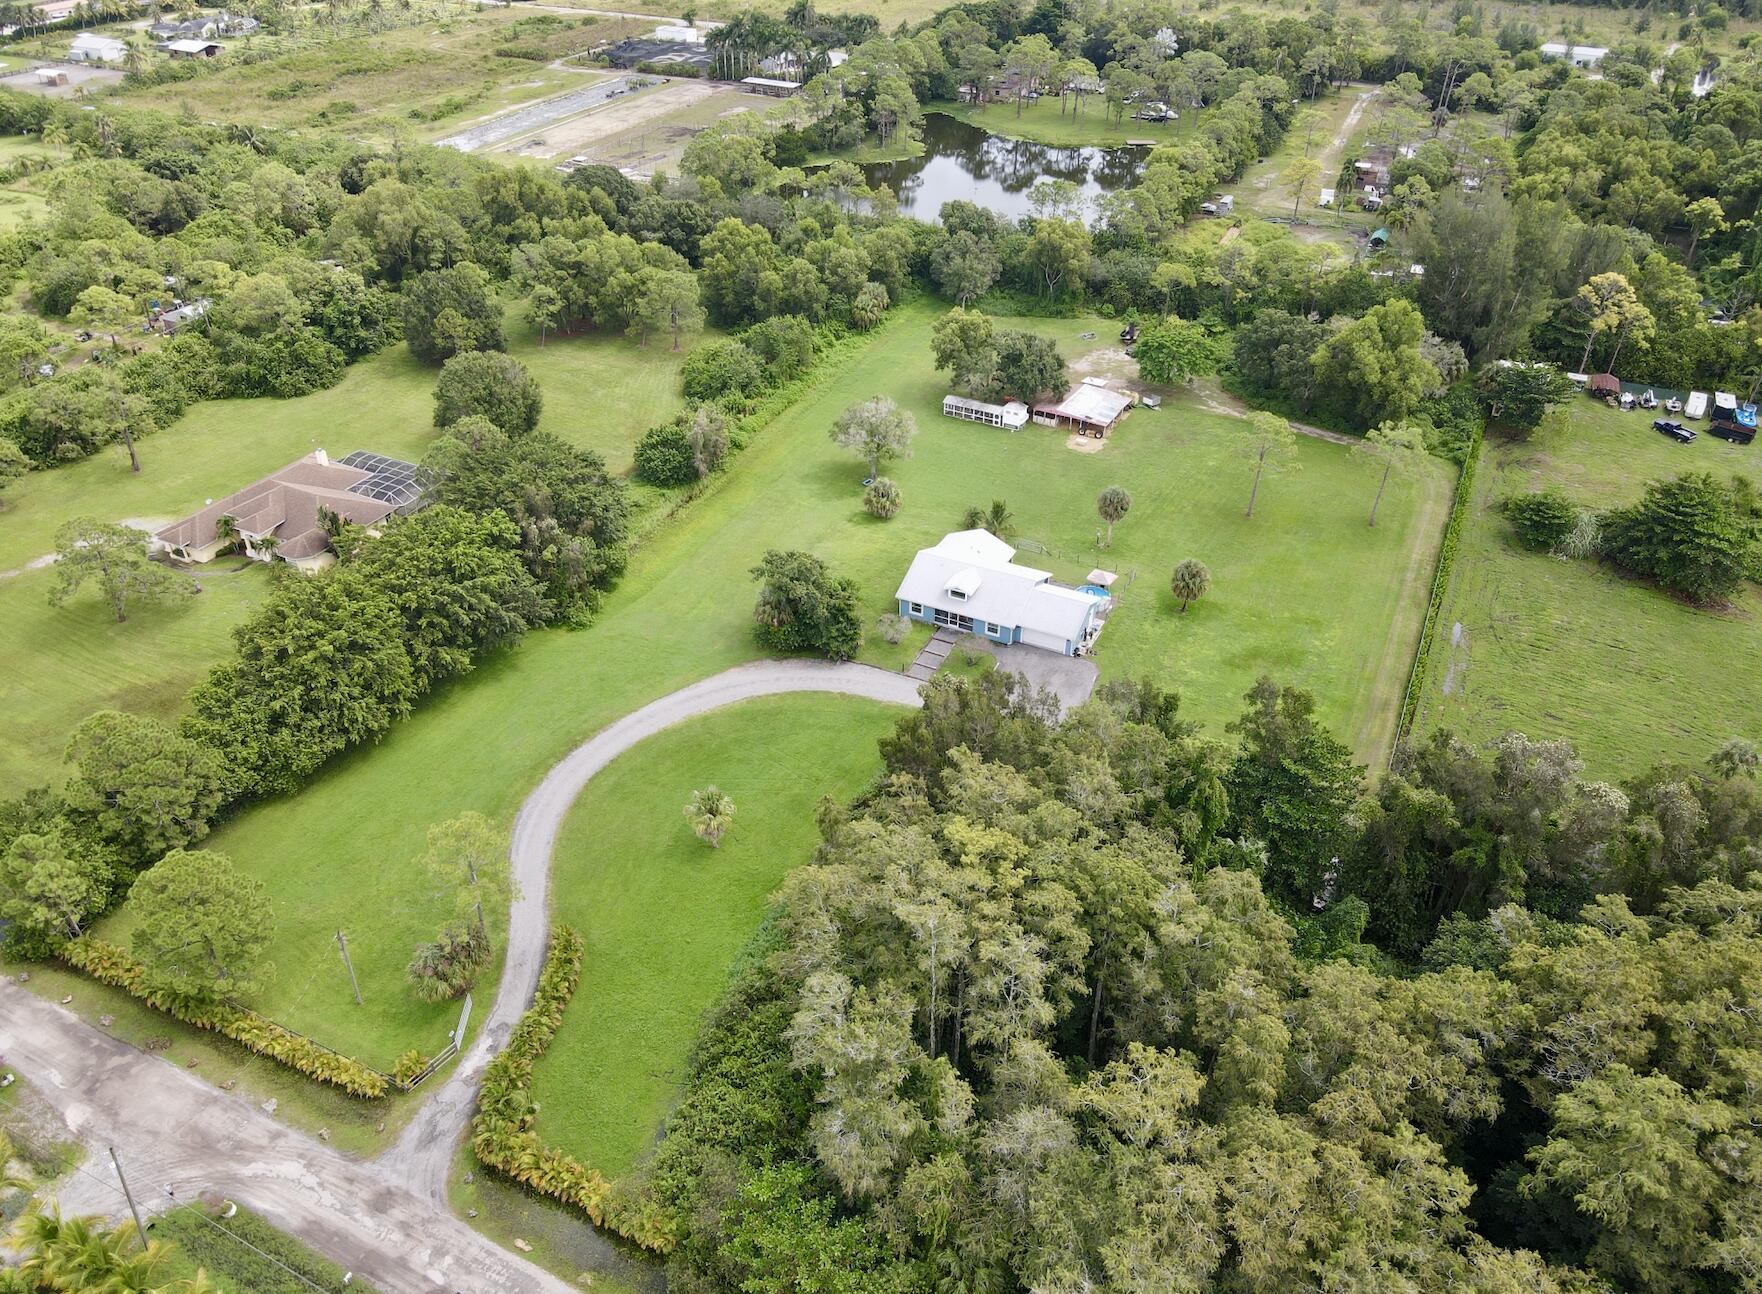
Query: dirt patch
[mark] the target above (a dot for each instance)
(1085, 444)
(582, 134)
(1106, 361)
(1218, 400)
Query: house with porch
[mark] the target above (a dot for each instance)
(288, 515)
(971, 583)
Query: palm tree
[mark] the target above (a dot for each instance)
(1113, 503)
(710, 813)
(226, 529)
(1189, 582)
(10, 1181)
(996, 519)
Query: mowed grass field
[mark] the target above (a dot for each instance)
(69, 661)
(664, 915)
(1043, 122)
(1571, 649)
(1305, 591)
(601, 393)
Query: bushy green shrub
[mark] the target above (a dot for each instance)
(663, 456)
(502, 1135)
(1543, 519)
(110, 965)
(721, 371)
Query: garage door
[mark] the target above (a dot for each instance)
(1038, 638)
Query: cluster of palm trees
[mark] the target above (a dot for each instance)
(57, 1255)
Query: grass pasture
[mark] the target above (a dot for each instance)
(601, 393)
(1556, 648)
(1042, 122)
(664, 915)
(1305, 591)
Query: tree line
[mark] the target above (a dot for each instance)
(1115, 1005)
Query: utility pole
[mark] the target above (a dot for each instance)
(129, 1196)
(353, 982)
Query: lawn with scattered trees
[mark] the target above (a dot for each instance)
(1304, 589)
(664, 914)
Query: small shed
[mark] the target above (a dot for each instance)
(1379, 239)
(191, 48)
(1012, 416)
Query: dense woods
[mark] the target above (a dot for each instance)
(1087, 1007)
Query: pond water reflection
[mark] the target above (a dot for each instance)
(963, 163)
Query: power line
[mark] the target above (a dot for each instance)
(197, 1212)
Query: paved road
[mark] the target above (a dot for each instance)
(386, 1219)
(424, 1153)
(174, 1131)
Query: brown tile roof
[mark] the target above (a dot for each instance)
(284, 504)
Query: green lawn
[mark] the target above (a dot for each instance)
(663, 914)
(600, 392)
(1566, 649)
(1042, 122)
(76, 659)
(1305, 591)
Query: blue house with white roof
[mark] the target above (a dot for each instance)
(970, 583)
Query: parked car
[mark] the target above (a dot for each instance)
(1675, 430)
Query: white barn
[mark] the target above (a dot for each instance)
(1012, 416)
(1577, 55)
(89, 47)
(970, 583)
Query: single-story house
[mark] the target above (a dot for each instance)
(193, 47)
(286, 508)
(1091, 408)
(1577, 55)
(89, 47)
(56, 10)
(204, 27)
(970, 583)
(1012, 415)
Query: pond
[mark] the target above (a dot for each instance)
(963, 163)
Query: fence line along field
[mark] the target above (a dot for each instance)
(1569, 648)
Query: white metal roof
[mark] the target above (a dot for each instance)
(1092, 403)
(191, 46)
(102, 44)
(977, 564)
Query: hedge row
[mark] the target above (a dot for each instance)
(501, 1132)
(110, 965)
(1447, 552)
